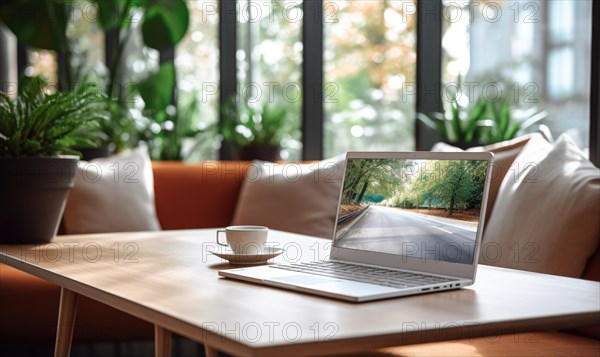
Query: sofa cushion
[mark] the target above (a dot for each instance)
(546, 214)
(525, 344)
(114, 194)
(202, 195)
(299, 198)
(505, 154)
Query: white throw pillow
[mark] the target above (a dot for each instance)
(300, 198)
(114, 194)
(546, 214)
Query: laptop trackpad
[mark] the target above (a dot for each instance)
(304, 279)
(331, 285)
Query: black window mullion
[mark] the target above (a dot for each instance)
(595, 87)
(227, 61)
(167, 56)
(429, 67)
(63, 71)
(111, 40)
(22, 60)
(312, 80)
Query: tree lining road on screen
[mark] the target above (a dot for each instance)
(427, 209)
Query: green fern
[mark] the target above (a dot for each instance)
(41, 124)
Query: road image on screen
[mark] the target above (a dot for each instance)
(427, 209)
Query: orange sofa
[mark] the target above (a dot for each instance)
(30, 305)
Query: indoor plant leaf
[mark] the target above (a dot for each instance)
(165, 23)
(108, 13)
(512, 130)
(39, 24)
(157, 89)
(112, 14)
(41, 124)
(476, 116)
(434, 121)
(453, 126)
(504, 117)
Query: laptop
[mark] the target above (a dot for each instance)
(407, 223)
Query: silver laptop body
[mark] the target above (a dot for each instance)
(407, 223)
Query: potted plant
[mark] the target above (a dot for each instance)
(37, 162)
(507, 122)
(483, 123)
(162, 25)
(255, 130)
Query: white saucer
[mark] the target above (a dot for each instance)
(249, 259)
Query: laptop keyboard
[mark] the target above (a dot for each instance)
(364, 274)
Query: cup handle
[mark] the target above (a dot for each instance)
(218, 242)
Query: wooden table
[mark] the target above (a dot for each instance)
(170, 279)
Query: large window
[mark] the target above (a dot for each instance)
(197, 69)
(269, 61)
(369, 75)
(86, 43)
(534, 52)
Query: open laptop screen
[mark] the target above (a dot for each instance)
(428, 209)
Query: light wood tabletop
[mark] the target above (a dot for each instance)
(170, 279)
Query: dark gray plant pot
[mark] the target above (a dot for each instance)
(99, 152)
(258, 152)
(33, 193)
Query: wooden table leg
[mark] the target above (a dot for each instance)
(162, 342)
(210, 352)
(66, 322)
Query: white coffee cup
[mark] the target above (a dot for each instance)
(244, 239)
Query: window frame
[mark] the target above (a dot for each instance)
(428, 67)
(595, 86)
(227, 64)
(428, 71)
(313, 112)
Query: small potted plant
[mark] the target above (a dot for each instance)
(255, 130)
(483, 123)
(37, 162)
